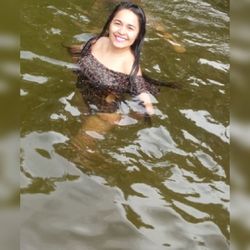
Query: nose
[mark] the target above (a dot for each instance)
(122, 30)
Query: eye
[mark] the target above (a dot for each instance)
(117, 23)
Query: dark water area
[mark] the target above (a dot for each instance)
(137, 186)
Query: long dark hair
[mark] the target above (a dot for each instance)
(136, 46)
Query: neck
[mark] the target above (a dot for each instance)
(115, 51)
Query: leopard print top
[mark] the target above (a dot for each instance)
(103, 89)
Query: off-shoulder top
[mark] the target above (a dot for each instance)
(102, 88)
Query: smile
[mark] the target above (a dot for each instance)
(120, 39)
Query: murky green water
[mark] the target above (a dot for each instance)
(164, 186)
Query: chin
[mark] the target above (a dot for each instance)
(121, 46)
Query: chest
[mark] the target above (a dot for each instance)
(111, 62)
(100, 76)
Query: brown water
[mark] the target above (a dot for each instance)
(164, 186)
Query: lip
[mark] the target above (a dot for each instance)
(120, 39)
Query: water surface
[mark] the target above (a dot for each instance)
(164, 186)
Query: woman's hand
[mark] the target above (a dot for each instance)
(145, 98)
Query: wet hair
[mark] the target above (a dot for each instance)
(136, 46)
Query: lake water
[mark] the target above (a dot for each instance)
(139, 186)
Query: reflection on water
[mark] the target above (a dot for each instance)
(133, 185)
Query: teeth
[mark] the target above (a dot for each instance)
(120, 39)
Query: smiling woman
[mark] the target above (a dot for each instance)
(115, 52)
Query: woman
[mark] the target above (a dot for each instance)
(109, 64)
(109, 69)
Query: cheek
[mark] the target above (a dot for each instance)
(110, 28)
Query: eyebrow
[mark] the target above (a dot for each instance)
(130, 25)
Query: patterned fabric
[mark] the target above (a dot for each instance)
(103, 89)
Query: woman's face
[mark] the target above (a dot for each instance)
(124, 29)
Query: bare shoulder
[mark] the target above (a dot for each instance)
(128, 63)
(100, 43)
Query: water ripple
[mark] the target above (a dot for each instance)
(204, 120)
(33, 78)
(28, 55)
(217, 65)
(155, 142)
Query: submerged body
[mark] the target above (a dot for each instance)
(109, 69)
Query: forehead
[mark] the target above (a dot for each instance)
(127, 16)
